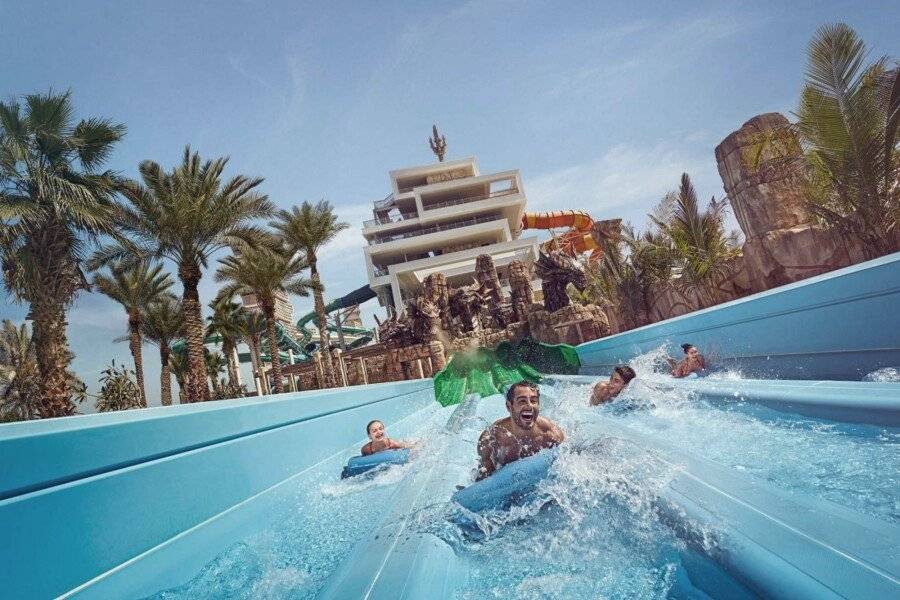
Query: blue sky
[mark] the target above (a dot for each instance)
(601, 106)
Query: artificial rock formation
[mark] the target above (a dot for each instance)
(761, 166)
(437, 291)
(557, 271)
(520, 289)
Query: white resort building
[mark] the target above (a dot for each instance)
(438, 218)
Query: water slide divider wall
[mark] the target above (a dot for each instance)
(839, 325)
(124, 504)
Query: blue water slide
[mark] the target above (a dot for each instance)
(840, 325)
(121, 505)
(868, 402)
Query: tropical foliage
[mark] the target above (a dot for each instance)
(163, 322)
(18, 374)
(306, 229)
(55, 203)
(136, 287)
(227, 322)
(118, 391)
(698, 247)
(848, 122)
(265, 271)
(185, 215)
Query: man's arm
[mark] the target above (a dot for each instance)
(599, 393)
(486, 464)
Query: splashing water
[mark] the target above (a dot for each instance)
(857, 466)
(885, 375)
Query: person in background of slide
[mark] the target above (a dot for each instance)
(693, 362)
(604, 391)
(523, 433)
(379, 441)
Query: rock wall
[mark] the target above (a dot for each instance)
(761, 169)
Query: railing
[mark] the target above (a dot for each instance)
(512, 190)
(390, 219)
(380, 271)
(434, 229)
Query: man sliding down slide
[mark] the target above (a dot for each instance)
(523, 433)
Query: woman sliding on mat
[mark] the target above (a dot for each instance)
(379, 441)
(693, 362)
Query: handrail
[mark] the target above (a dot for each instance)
(512, 190)
(390, 219)
(434, 229)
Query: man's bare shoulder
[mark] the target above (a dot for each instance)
(548, 427)
(498, 426)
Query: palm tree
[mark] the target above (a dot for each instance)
(703, 251)
(255, 327)
(55, 203)
(186, 216)
(306, 229)
(848, 123)
(18, 374)
(135, 287)
(264, 271)
(227, 322)
(163, 322)
(178, 364)
(214, 364)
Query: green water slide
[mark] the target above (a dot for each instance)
(488, 371)
(357, 296)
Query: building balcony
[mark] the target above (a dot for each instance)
(383, 239)
(386, 220)
(475, 198)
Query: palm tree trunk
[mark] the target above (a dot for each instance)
(256, 359)
(228, 351)
(274, 353)
(165, 376)
(197, 390)
(134, 343)
(319, 303)
(51, 348)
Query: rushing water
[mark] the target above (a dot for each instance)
(591, 530)
(857, 466)
(325, 518)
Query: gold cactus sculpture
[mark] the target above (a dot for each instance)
(438, 143)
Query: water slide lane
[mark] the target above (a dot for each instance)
(121, 474)
(865, 402)
(836, 326)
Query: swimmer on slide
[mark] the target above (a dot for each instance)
(523, 433)
(605, 391)
(693, 362)
(379, 441)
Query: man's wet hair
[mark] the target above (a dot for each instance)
(510, 391)
(686, 347)
(372, 422)
(625, 372)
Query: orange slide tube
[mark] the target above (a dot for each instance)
(573, 242)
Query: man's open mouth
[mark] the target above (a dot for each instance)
(527, 416)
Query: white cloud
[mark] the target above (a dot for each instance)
(624, 181)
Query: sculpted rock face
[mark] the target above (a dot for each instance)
(761, 169)
(520, 289)
(556, 271)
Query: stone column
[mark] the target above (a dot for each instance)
(438, 358)
(292, 384)
(520, 289)
(761, 166)
(338, 360)
(320, 370)
(364, 374)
